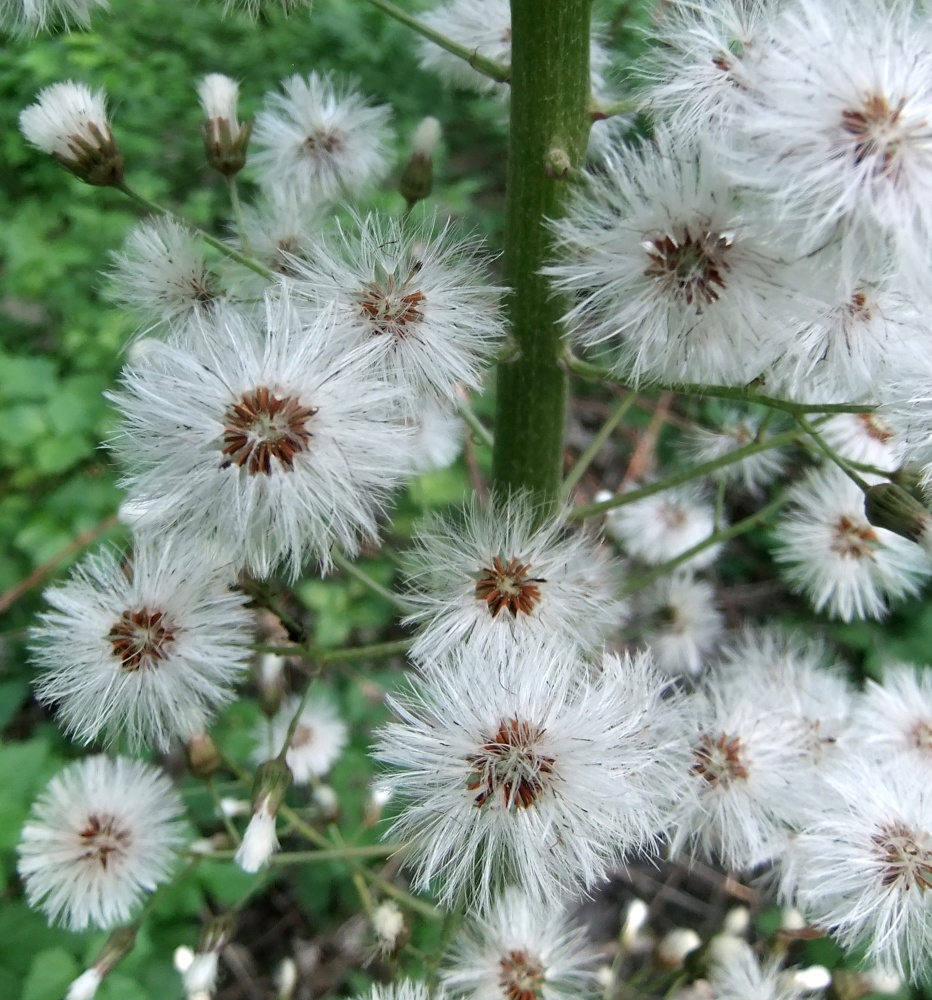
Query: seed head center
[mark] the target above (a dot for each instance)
(692, 268)
(905, 856)
(261, 426)
(521, 976)
(874, 428)
(876, 130)
(102, 837)
(854, 539)
(303, 736)
(324, 142)
(391, 306)
(511, 764)
(508, 585)
(141, 638)
(719, 760)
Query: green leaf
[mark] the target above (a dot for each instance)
(52, 972)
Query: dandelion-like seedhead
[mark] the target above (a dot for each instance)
(865, 438)
(320, 138)
(836, 128)
(492, 576)
(830, 552)
(28, 17)
(893, 721)
(147, 648)
(668, 270)
(415, 301)
(162, 275)
(271, 442)
(743, 976)
(518, 950)
(316, 744)
(864, 870)
(661, 527)
(529, 772)
(102, 834)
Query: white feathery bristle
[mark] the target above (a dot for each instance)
(260, 841)
(63, 111)
(85, 986)
(219, 95)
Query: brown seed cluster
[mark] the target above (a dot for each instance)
(691, 267)
(874, 428)
(905, 857)
(521, 976)
(511, 764)
(324, 141)
(719, 760)
(508, 585)
(102, 837)
(876, 132)
(262, 426)
(392, 309)
(854, 539)
(140, 639)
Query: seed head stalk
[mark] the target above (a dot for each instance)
(549, 128)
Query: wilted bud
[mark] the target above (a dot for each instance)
(120, 943)
(273, 779)
(389, 927)
(204, 758)
(225, 139)
(890, 506)
(673, 948)
(417, 178)
(69, 121)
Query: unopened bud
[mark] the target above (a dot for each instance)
(286, 979)
(417, 178)
(273, 779)
(225, 139)
(217, 933)
(391, 931)
(325, 798)
(69, 121)
(673, 948)
(271, 678)
(890, 506)
(204, 758)
(120, 943)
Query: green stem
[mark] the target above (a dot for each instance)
(743, 394)
(550, 122)
(327, 854)
(232, 252)
(475, 425)
(693, 472)
(733, 531)
(389, 888)
(372, 651)
(351, 569)
(831, 454)
(233, 188)
(592, 449)
(487, 67)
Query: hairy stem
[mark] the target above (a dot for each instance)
(550, 121)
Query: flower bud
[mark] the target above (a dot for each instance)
(69, 121)
(117, 946)
(225, 139)
(890, 506)
(204, 758)
(389, 927)
(273, 779)
(675, 946)
(417, 178)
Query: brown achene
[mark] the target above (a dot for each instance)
(694, 268)
(510, 763)
(101, 837)
(141, 638)
(853, 539)
(508, 586)
(522, 977)
(719, 760)
(262, 426)
(393, 308)
(905, 856)
(877, 131)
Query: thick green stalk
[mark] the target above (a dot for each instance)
(549, 129)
